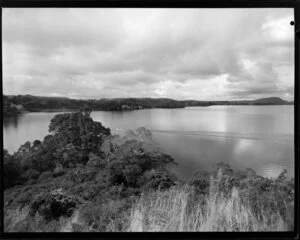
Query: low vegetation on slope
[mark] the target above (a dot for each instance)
(231, 208)
(82, 178)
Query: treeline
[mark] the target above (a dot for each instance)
(20, 103)
(9, 108)
(36, 103)
(261, 101)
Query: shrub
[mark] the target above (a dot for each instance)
(45, 175)
(179, 209)
(106, 216)
(11, 170)
(54, 204)
(31, 174)
(58, 171)
(130, 163)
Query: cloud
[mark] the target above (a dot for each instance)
(203, 54)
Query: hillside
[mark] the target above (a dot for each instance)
(80, 178)
(270, 101)
(261, 101)
(37, 103)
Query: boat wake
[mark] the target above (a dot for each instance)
(284, 138)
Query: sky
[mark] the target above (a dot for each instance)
(201, 54)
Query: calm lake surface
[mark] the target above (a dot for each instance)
(257, 137)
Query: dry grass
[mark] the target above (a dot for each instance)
(14, 218)
(73, 224)
(174, 210)
(19, 220)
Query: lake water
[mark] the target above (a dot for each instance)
(257, 137)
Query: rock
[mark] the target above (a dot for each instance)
(55, 204)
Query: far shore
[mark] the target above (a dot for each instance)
(14, 105)
(59, 110)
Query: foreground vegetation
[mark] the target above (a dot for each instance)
(81, 178)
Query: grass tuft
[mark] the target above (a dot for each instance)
(175, 210)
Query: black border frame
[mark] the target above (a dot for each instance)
(295, 4)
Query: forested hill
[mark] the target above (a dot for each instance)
(37, 103)
(261, 101)
(13, 105)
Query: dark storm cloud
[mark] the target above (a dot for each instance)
(177, 53)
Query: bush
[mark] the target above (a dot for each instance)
(11, 170)
(31, 174)
(130, 162)
(45, 175)
(183, 209)
(107, 216)
(58, 171)
(54, 204)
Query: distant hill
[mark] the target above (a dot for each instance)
(270, 100)
(261, 101)
(14, 105)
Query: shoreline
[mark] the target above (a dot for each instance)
(59, 110)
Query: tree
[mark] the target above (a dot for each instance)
(11, 170)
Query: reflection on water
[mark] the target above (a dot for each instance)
(257, 137)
